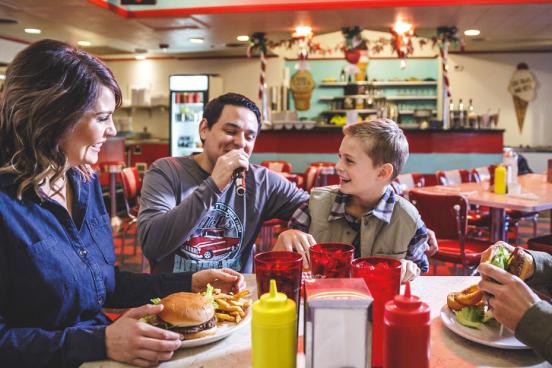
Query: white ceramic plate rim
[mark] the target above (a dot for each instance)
(223, 330)
(487, 335)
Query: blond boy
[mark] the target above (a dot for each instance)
(363, 209)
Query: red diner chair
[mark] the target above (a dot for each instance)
(277, 166)
(447, 215)
(326, 175)
(132, 184)
(430, 180)
(482, 173)
(311, 173)
(407, 181)
(453, 177)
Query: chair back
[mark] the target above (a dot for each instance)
(132, 184)
(407, 181)
(454, 177)
(277, 165)
(481, 174)
(430, 180)
(326, 175)
(311, 173)
(446, 214)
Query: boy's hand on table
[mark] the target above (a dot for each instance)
(295, 240)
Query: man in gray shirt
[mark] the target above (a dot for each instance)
(191, 216)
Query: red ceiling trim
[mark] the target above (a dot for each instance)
(114, 8)
(8, 38)
(346, 4)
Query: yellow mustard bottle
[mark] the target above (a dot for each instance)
(500, 180)
(274, 330)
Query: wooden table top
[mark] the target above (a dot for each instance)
(447, 348)
(536, 194)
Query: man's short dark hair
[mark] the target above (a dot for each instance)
(214, 108)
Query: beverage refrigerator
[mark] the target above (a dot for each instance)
(188, 96)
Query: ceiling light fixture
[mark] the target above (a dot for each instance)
(84, 43)
(196, 40)
(402, 27)
(243, 38)
(33, 30)
(472, 32)
(140, 57)
(302, 31)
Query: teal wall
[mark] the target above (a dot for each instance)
(379, 69)
(417, 162)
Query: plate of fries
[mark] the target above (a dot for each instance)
(233, 312)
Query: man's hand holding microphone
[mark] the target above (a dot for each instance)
(229, 167)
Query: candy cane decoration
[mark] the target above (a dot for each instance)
(443, 50)
(262, 76)
(262, 86)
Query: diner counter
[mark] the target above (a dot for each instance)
(447, 348)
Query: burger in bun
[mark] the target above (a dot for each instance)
(517, 262)
(189, 314)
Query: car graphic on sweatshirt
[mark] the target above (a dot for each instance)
(210, 243)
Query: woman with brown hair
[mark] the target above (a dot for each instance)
(56, 249)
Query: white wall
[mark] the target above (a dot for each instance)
(239, 75)
(8, 50)
(485, 78)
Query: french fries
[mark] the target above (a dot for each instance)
(231, 308)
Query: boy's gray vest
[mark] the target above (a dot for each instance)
(376, 236)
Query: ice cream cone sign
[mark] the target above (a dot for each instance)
(522, 87)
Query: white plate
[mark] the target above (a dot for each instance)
(488, 334)
(223, 331)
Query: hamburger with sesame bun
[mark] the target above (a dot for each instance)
(189, 314)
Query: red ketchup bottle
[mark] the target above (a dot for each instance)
(406, 332)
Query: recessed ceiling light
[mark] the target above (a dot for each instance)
(472, 32)
(302, 31)
(140, 57)
(33, 30)
(84, 43)
(196, 40)
(243, 38)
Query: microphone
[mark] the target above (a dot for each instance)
(239, 177)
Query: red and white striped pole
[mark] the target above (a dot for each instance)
(262, 88)
(444, 64)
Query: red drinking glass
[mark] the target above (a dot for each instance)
(382, 275)
(331, 260)
(284, 267)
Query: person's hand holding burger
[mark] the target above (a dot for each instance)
(502, 282)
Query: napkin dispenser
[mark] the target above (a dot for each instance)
(338, 325)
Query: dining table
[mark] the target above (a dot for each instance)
(534, 195)
(447, 348)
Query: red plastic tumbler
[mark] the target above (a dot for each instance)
(382, 275)
(331, 260)
(284, 267)
(406, 332)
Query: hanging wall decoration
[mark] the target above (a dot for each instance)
(356, 52)
(258, 44)
(302, 82)
(401, 41)
(522, 87)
